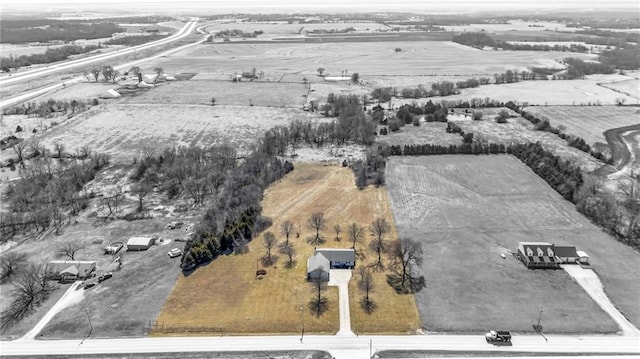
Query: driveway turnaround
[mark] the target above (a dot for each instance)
(340, 278)
(589, 280)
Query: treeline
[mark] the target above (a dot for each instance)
(231, 222)
(573, 141)
(134, 40)
(627, 58)
(577, 68)
(48, 108)
(49, 189)
(627, 36)
(25, 31)
(51, 55)
(333, 31)
(561, 175)
(237, 33)
(481, 40)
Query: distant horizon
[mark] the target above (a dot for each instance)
(327, 6)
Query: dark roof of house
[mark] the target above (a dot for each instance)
(337, 255)
(537, 251)
(82, 267)
(565, 251)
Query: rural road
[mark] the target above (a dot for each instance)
(340, 347)
(340, 278)
(589, 281)
(25, 96)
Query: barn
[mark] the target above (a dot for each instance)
(538, 255)
(70, 270)
(140, 243)
(325, 259)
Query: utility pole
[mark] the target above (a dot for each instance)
(302, 320)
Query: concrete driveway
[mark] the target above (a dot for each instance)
(590, 282)
(340, 278)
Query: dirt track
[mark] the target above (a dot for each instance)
(620, 141)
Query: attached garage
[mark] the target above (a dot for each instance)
(566, 254)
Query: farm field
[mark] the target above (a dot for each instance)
(468, 211)
(590, 123)
(123, 130)
(272, 305)
(366, 58)
(628, 87)
(543, 93)
(428, 133)
(200, 89)
(281, 27)
(519, 130)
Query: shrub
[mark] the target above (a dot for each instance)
(416, 121)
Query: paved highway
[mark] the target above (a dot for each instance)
(38, 72)
(25, 96)
(340, 347)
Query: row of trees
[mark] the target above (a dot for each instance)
(49, 108)
(481, 40)
(134, 40)
(51, 55)
(573, 141)
(229, 224)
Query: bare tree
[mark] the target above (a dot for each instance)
(355, 234)
(270, 241)
(367, 285)
(319, 303)
(11, 264)
(140, 190)
(378, 228)
(96, 73)
(59, 148)
(337, 229)
(30, 289)
(405, 253)
(286, 228)
(19, 149)
(70, 249)
(317, 222)
(111, 202)
(289, 252)
(36, 148)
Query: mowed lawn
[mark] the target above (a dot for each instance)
(225, 294)
(467, 211)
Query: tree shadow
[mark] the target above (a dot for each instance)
(411, 284)
(315, 241)
(368, 306)
(318, 307)
(269, 261)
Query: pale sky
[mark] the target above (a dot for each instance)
(358, 4)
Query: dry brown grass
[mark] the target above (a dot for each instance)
(226, 294)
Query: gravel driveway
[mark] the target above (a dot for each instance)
(589, 281)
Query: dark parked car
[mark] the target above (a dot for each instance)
(104, 277)
(88, 285)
